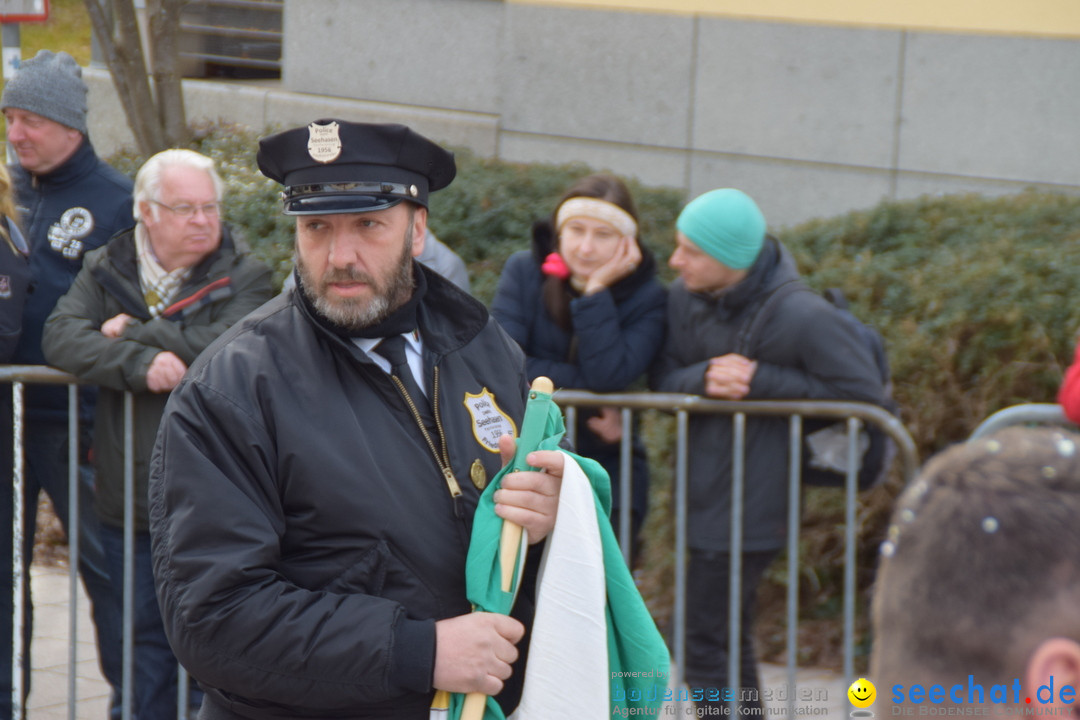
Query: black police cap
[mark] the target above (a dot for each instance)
(336, 166)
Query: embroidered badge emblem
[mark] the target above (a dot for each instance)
(489, 421)
(5, 287)
(324, 143)
(66, 235)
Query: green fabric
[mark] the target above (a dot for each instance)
(634, 643)
(542, 429)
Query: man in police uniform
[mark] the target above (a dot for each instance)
(312, 489)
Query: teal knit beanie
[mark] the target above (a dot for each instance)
(727, 224)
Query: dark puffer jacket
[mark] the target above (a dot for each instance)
(14, 283)
(806, 350)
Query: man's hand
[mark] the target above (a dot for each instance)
(473, 653)
(728, 377)
(114, 326)
(607, 425)
(165, 372)
(530, 498)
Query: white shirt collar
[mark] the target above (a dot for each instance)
(413, 353)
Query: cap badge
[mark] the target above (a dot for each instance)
(324, 143)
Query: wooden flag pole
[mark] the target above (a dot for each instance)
(509, 549)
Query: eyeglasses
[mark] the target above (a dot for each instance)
(188, 211)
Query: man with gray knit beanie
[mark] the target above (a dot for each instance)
(801, 348)
(70, 202)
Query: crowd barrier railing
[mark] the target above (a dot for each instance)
(682, 407)
(1023, 414)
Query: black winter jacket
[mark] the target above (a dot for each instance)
(304, 537)
(805, 350)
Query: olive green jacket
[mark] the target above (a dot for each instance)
(223, 288)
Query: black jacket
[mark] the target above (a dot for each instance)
(805, 350)
(304, 537)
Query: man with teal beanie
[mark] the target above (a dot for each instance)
(801, 348)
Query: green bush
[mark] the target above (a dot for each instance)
(974, 296)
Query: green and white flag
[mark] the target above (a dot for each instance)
(595, 651)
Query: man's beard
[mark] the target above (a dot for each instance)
(352, 314)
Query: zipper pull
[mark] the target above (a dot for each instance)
(451, 482)
(455, 491)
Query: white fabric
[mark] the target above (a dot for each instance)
(568, 674)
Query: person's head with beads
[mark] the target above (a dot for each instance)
(979, 577)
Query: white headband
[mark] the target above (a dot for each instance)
(601, 210)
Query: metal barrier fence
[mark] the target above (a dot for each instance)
(19, 376)
(681, 406)
(1024, 414)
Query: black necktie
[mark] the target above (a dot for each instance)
(393, 349)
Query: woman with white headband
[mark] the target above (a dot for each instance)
(588, 310)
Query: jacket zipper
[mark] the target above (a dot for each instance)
(442, 460)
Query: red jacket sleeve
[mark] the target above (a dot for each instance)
(1069, 394)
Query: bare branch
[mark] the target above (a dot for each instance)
(116, 27)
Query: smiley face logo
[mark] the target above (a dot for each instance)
(862, 693)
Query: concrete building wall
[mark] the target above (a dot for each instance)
(812, 120)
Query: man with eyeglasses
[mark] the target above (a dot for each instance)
(140, 311)
(69, 202)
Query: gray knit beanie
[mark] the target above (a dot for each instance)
(50, 85)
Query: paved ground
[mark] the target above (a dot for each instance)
(49, 685)
(818, 693)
